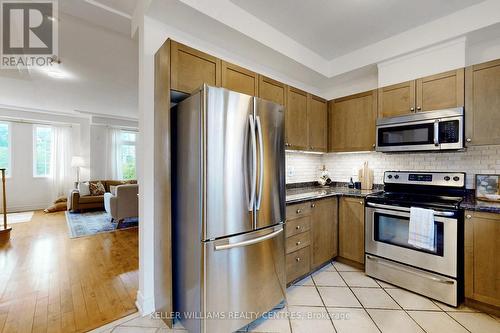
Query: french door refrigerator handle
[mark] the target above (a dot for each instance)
(254, 163)
(249, 241)
(261, 157)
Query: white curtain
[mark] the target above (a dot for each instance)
(113, 170)
(62, 173)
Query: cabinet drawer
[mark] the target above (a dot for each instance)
(297, 242)
(297, 264)
(297, 226)
(298, 210)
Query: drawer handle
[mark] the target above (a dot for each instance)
(299, 211)
(298, 243)
(298, 227)
(297, 259)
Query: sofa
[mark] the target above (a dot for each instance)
(78, 203)
(122, 202)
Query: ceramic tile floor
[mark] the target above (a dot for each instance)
(340, 298)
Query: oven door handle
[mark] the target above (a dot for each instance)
(409, 271)
(406, 209)
(436, 132)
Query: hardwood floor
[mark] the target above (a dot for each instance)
(51, 283)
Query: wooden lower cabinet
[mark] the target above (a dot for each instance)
(482, 259)
(352, 229)
(311, 236)
(324, 230)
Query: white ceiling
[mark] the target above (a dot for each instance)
(332, 28)
(99, 59)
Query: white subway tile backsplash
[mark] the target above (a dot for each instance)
(474, 160)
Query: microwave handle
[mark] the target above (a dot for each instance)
(436, 132)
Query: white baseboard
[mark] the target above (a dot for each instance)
(144, 305)
(26, 207)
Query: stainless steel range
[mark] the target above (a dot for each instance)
(390, 257)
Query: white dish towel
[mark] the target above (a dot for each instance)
(421, 229)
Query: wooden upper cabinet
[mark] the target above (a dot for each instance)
(272, 90)
(482, 103)
(239, 79)
(318, 124)
(482, 262)
(352, 122)
(296, 136)
(191, 68)
(324, 230)
(352, 229)
(396, 100)
(441, 91)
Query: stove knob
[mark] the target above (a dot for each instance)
(396, 176)
(390, 176)
(456, 178)
(447, 178)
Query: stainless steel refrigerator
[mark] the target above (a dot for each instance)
(228, 164)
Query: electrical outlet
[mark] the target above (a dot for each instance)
(290, 172)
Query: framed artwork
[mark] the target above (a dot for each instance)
(488, 187)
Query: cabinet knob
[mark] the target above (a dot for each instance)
(298, 243)
(297, 227)
(373, 145)
(419, 108)
(468, 139)
(412, 109)
(299, 211)
(468, 217)
(313, 205)
(297, 259)
(361, 202)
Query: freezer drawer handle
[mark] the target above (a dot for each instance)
(404, 209)
(409, 271)
(249, 241)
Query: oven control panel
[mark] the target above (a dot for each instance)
(449, 179)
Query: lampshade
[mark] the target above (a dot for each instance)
(77, 161)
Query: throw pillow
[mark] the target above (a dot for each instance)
(97, 189)
(84, 188)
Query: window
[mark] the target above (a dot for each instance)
(126, 155)
(43, 138)
(5, 147)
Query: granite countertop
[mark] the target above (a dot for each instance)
(298, 194)
(471, 203)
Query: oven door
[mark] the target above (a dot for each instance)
(387, 237)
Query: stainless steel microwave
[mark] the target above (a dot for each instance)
(431, 130)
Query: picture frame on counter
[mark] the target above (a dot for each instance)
(488, 188)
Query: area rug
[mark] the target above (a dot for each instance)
(17, 217)
(91, 223)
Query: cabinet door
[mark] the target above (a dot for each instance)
(482, 262)
(352, 122)
(239, 79)
(441, 91)
(396, 100)
(272, 90)
(352, 229)
(324, 230)
(482, 104)
(191, 68)
(296, 119)
(318, 124)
